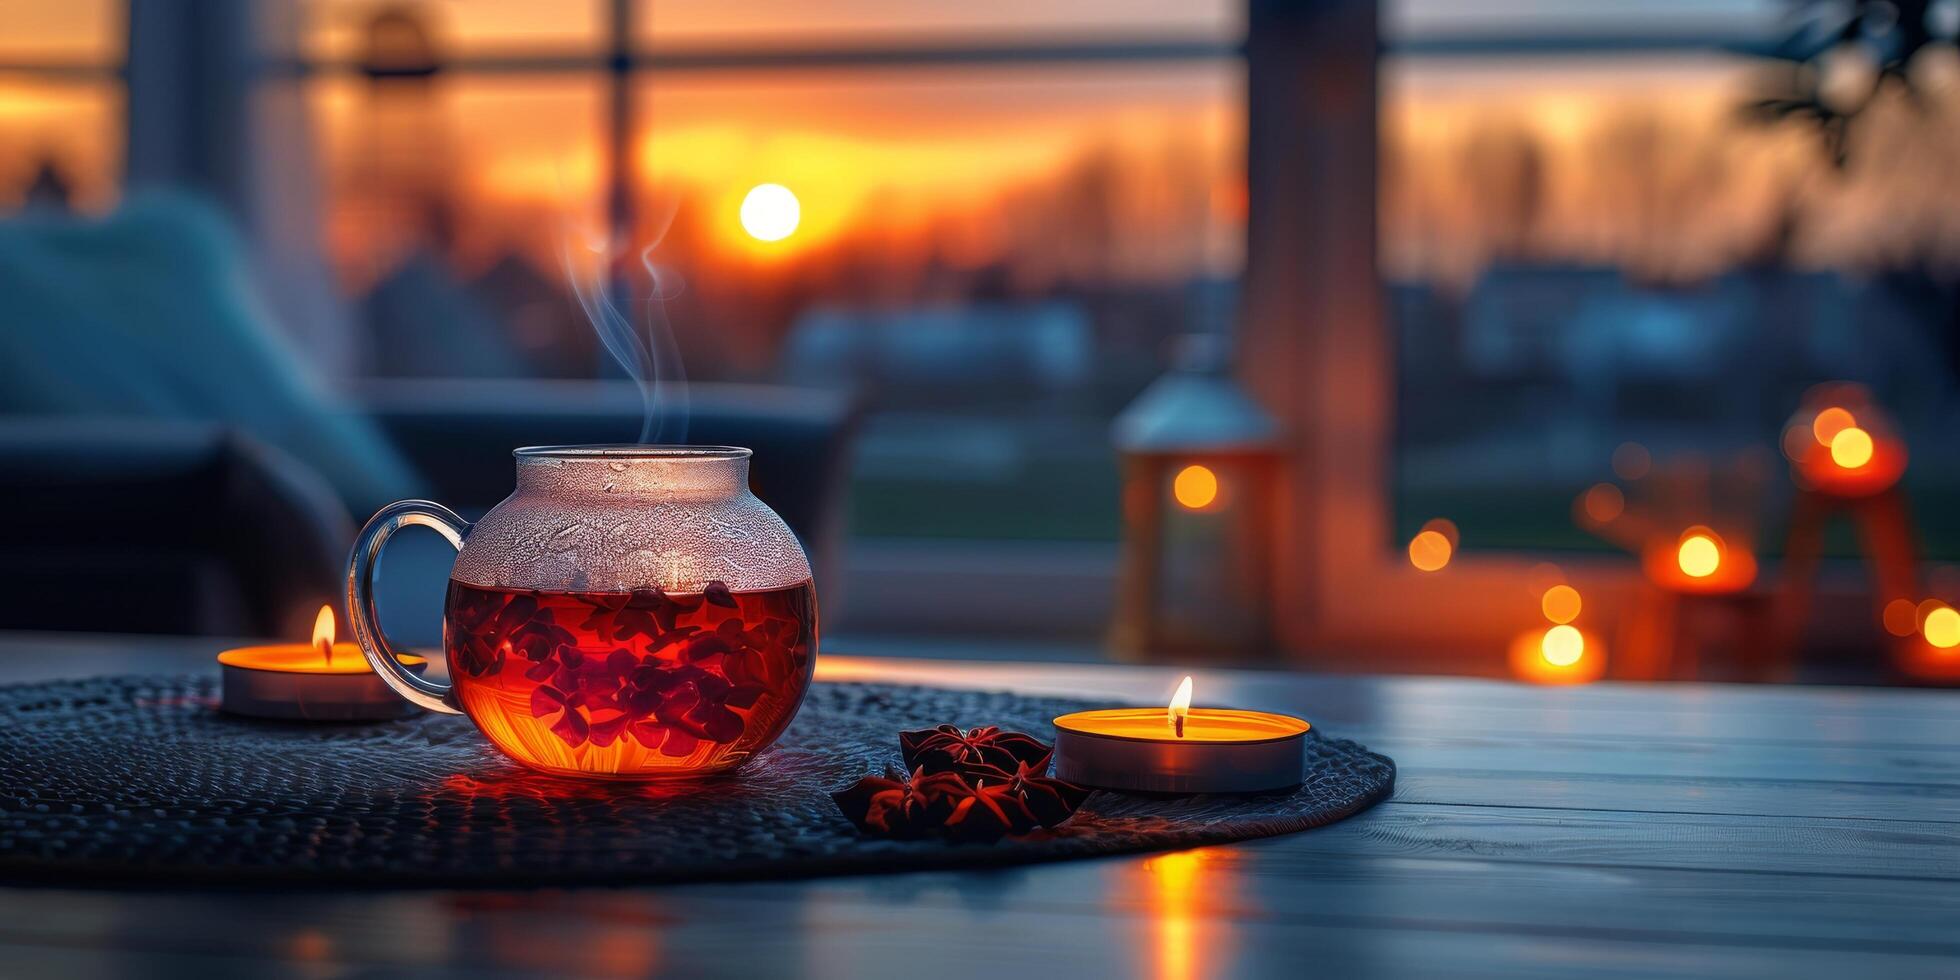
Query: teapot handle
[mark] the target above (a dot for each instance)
(360, 596)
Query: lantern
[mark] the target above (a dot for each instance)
(1846, 458)
(1842, 445)
(1200, 476)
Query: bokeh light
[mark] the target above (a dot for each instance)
(1560, 604)
(770, 212)
(1631, 461)
(1445, 527)
(1430, 551)
(1829, 423)
(1699, 555)
(1195, 487)
(1901, 617)
(1851, 448)
(1605, 502)
(1542, 576)
(1562, 646)
(1942, 628)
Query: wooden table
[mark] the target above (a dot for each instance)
(1608, 830)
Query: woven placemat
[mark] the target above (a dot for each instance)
(141, 780)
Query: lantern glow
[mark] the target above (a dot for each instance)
(1195, 487)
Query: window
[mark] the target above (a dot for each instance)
(61, 105)
(774, 23)
(1385, 391)
(1006, 215)
(1589, 252)
(996, 256)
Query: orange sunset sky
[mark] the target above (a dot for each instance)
(1638, 160)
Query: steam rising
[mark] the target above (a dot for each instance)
(653, 361)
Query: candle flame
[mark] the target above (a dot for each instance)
(323, 633)
(1180, 706)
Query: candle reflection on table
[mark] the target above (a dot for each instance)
(1188, 896)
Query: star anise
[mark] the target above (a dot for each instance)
(986, 813)
(1048, 801)
(901, 806)
(955, 790)
(948, 749)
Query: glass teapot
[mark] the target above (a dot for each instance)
(630, 612)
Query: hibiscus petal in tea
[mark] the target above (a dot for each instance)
(640, 684)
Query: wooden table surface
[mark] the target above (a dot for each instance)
(1607, 830)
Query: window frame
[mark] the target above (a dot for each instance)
(1316, 348)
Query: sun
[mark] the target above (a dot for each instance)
(770, 213)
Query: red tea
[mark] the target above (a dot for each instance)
(646, 683)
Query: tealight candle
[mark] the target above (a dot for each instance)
(1181, 749)
(320, 681)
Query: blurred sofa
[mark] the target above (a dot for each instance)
(154, 312)
(165, 526)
